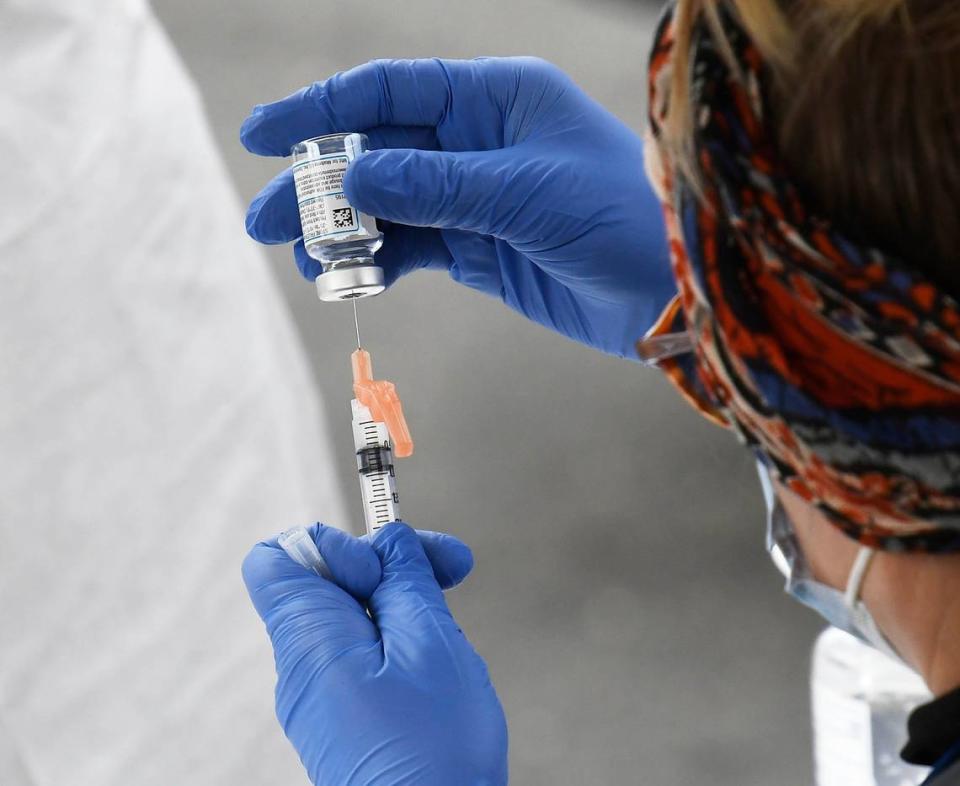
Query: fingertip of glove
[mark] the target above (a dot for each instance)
(250, 219)
(452, 559)
(353, 561)
(309, 267)
(394, 534)
(248, 128)
(461, 563)
(257, 566)
(365, 178)
(260, 134)
(356, 178)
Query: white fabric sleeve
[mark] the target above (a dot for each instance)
(157, 417)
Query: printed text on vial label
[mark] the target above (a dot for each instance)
(324, 210)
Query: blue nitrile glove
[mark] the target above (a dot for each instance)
(397, 697)
(500, 170)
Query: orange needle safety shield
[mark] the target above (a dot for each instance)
(380, 397)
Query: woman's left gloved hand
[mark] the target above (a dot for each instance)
(499, 170)
(396, 697)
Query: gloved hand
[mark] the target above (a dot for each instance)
(500, 170)
(397, 697)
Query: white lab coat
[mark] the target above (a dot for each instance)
(157, 417)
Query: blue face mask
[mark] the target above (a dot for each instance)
(843, 610)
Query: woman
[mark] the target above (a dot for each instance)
(808, 178)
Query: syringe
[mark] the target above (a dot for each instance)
(379, 432)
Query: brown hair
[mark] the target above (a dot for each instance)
(867, 114)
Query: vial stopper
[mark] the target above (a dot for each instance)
(351, 281)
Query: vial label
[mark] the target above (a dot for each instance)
(324, 210)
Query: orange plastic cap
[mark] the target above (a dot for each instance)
(380, 397)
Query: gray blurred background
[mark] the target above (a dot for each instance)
(633, 624)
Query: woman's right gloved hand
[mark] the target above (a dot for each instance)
(393, 697)
(499, 170)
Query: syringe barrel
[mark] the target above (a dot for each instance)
(375, 459)
(378, 486)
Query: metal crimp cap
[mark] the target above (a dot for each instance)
(345, 283)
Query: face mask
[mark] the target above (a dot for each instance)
(843, 610)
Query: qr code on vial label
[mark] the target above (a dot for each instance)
(342, 218)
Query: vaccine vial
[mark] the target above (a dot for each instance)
(341, 238)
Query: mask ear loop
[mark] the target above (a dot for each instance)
(851, 599)
(857, 574)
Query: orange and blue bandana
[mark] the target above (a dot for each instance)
(838, 364)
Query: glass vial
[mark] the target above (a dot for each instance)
(335, 233)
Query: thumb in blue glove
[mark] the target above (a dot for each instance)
(396, 697)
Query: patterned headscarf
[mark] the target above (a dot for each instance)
(838, 364)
